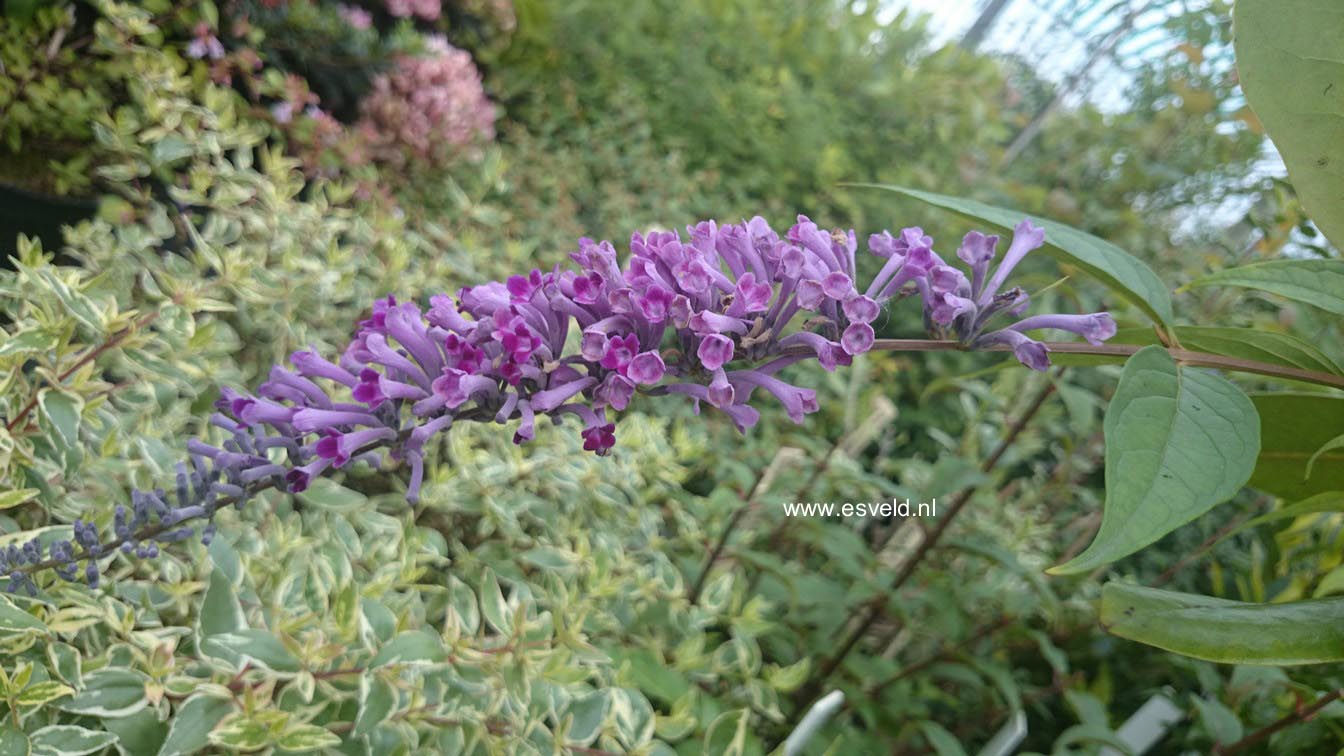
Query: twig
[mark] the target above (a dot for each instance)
(1185, 356)
(1299, 715)
(150, 531)
(88, 357)
(728, 528)
(944, 654)
(777, 533)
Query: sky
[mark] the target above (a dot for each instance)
(1059, 34)
(1033, 24)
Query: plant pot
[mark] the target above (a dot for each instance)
(37, 215)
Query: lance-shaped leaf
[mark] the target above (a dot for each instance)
(1122, 272)
(1290, 57)
(1316, 282)
(1269, 347)
(1233, 632)
(1178, 442)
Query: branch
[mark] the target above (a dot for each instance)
(88, 357)
(1300, 715)
(948, 651)
(149, 532)
(1184, 356)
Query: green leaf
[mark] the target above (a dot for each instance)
(109, 693)
(943, 742)
(225, 557)
(327, 494)
(548, 558)
(1231, 632)
(62, 411)
(462, 603)
(493, 606)
(1328, 502)
(381, 622)
(27, 342)
(169, 149)
(69, 740)
(43, 692)
(1178, 442)
(14, 619)
(243, 733)
(589, 714)
(1290, 58)
(1293, 428)
(1335, 443)
(1332, 583)
(14, 742)
(1315, 282)
(221, 612)
(1242, 343)
(1088, 708)
(78, 306)
(410, 646)
(140, 733)
(651, 674)
(1122, 272)
(1090, 733)
(191, 725)
(259, 646)
(728, 734)
(1220, 722)
(377, 698)
(306, 737)
(633, 717)
(66, 662)
(13, 498)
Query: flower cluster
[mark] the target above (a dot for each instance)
(967, 306)
(358, 18)
(428, 106)
(427, 10)
(204, 44)
(713, 316)
(215, 477)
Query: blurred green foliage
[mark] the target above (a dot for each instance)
(538, 598)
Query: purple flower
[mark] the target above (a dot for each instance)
(1026, 237)
(977, 250)
(646, 368)
(752, 296)
(706, 323)
(861, 309)
(340, 447)
(599, 438)
(797, 401)
(1096, 327)
(615, 392)
(1033, 354)
(620, 351)
(715, 351)
(857, 338)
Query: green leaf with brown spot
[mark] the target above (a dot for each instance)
(1231, 632)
